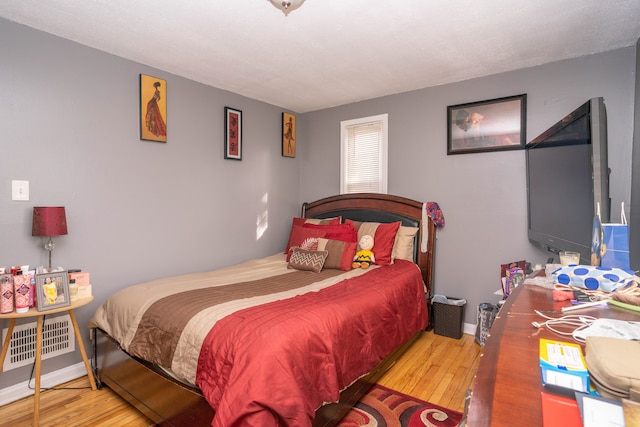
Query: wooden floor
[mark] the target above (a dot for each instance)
(436, 369)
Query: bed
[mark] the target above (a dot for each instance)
(304, 352)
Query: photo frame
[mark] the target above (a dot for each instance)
(288, 135)
(492, 125)
(153, 109)
(52, 290)
(232, 133)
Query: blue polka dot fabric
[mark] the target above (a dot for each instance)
(594, 278)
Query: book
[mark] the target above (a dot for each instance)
(512, 275)
(559, 411)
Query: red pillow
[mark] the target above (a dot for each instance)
(302, 221)
(384, 236)
(325, 221)
(299, 235)
(340, 254)
(344, 232)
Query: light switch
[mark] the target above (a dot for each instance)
(20, 190)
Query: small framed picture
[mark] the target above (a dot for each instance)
(232, 133)
(52, 290)
(153, 109)
(288, 135)
(492, 125)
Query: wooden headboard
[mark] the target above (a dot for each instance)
(374, 207)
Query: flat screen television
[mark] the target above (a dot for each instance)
(567, 177)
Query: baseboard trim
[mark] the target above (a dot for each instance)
(469, 328)
(52, 379)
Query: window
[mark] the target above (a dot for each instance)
(363, 155)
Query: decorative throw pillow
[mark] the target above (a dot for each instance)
(340, 254)
(322, 221)
(403, 248)
(301, 221)
(384, 236)
(300, 236)
(302, 259)
(344, 232)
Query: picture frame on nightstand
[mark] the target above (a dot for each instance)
(52, 290)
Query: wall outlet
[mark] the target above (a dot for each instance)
(20, 190)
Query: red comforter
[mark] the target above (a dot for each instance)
(275, 364)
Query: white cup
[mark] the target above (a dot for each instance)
(568, 258)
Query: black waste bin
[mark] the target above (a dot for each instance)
(448, 317)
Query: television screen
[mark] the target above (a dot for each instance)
(567, 178)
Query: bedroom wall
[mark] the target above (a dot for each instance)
(483, 195)
(136, 210)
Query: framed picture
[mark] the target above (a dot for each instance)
(288, 135)
(232, 133)
(153, 109)
(493, 125)
(52, 290)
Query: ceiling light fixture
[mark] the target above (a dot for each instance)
(287, 6)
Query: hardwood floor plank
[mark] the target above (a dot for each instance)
(435, 368)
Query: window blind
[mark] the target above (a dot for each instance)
(364, 158)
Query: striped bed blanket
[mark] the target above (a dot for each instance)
(265, 344)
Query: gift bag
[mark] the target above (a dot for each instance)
(614, 243)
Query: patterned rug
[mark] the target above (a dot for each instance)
(383, 407)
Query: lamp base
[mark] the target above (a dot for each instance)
(49, 246)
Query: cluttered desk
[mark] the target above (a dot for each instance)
(536, 363)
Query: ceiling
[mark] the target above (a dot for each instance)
(334, 52)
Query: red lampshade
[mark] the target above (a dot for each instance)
(49, 221)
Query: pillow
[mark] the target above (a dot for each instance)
(302, 221)
(301, 236)
(344, 232)
(384, 236)
(403, 248)
(302, 259)
(340, 255)
(322, 221)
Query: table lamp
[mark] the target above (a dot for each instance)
(49, 221)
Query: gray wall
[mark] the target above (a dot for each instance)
(136, 210)
(483, 196)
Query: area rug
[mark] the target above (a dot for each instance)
(383, 407)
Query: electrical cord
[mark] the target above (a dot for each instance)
(573, 322)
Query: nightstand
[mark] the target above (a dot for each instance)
(33, 312)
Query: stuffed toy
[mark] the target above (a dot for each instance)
(364, 257)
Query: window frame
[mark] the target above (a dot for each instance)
(383, 158)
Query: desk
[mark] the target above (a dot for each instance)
(40, 319)
(506, 388)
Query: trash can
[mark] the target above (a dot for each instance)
(448, 316)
